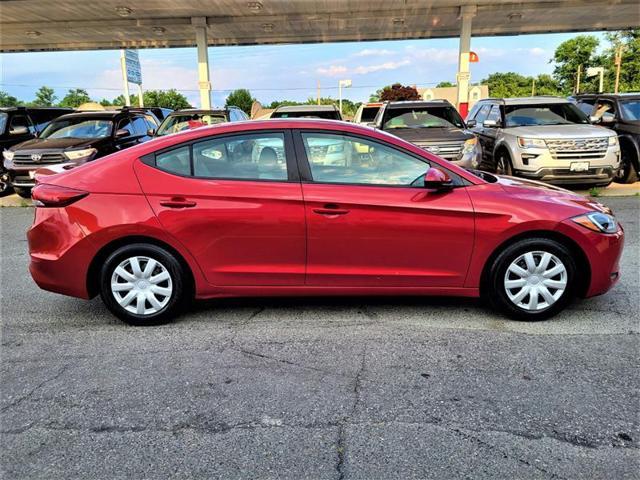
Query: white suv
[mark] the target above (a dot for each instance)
(543, 138)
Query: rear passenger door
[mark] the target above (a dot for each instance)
(235, 202)
(487, 134)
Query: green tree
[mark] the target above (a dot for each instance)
(45, 97)
(629, 40)
(281, 103)
(546, 85)
(508, 84)
(75, 97)
(445, 84)
(577, 52)
(166, 99)
(242, 99)
(7, 100)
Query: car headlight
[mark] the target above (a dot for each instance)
(598, 222)
(8, 155)
(531, 142)
(613, 140)
(78, 154)
(469, 146)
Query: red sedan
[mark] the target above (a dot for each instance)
(310, 207)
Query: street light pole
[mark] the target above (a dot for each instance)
(342, 83)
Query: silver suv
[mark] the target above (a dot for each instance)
(543, 138)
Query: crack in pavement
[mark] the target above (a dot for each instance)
(19, 400)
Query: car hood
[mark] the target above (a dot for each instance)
(57, 143)
(431, 135)
(532, 190)
(560, 131)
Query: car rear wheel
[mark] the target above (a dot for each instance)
(503, 163)
(532, 279)
(627, 173)
(143, 284)
(23, 192)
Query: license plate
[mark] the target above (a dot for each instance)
(32, 174)
(579, 166)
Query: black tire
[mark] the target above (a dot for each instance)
(5, 184)
(495, 291)
(179, 286)
(627, 173)
(23, 192)
(502, 163)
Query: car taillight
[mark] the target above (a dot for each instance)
(53, 196)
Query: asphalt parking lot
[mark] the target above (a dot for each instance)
(318, 388)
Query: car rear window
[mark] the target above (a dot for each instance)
(326, 114)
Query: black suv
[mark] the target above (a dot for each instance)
(187, 119)
(434, 125)
(620, 113)
(18, 124)
(74, 139)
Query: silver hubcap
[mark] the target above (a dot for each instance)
(535, 280)
(141, 285)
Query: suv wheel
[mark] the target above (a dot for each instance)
(627, 173)
(143, 284)
(5, 185)
(503, 165)
(532, 279)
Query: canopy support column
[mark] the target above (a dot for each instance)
(467, 12)
(204, 84)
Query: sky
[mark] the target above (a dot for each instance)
(275, 72)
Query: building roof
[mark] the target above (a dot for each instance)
(36, 25)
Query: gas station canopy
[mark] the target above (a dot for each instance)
(39, 25)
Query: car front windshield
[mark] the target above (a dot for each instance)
(178, 123)
(422, 117)
(543, 114)
(3, 122)
(631, 109)
(78, 128)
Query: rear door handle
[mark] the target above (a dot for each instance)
(331, 209)
(178, 202)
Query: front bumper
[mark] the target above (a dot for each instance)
(564, 176)
(23, 176)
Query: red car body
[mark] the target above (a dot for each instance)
(262, 238)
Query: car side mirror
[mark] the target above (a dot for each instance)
(594, 119)
(436, 179)
(471, 123)
(490, 123)
(151, 132)
(122, 133)
(608, 118)
(19, 131)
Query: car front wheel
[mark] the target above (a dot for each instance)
(532, 279)
(143, 284)
(5, 184)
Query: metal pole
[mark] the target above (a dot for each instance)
(340, 96)
(125, 81)
(467, 12)
(140, 96)
(601, 87)
(618, 62)
(204, 84)
(318, 92)
(533, 88)
(578, 78)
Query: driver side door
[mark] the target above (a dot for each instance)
(371, 224)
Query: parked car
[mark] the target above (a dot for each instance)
(159, 112)
(366, 113)
(74, 139)
(328, 112)
(250, 209)
(434, 125)
(18, 124)
(620, 113)
(187, 119)
(544, 138)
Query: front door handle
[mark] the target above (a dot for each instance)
(178, 202)
(331, 209)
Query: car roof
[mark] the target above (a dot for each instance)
(608, 95)
(546, 99)
(20, 107)
(98, 114)
(419, 103)
(306, 108)
(194, 111)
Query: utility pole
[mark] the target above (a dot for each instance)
(318, 92)
(533, 88)
(618, 64)
(578, 79)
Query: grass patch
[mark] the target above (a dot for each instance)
(594, 192)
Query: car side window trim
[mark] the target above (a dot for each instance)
(304, 167)
(293, 175)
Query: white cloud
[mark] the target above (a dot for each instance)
(332, 70)
(537, 51)
(373, 52)
(364, 69)
(440, 55)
